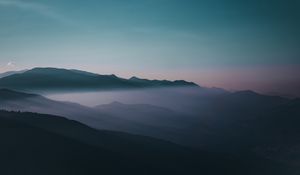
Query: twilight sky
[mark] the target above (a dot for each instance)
(250, 44)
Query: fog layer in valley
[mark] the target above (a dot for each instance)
(183, 99)
(211, 119)
(239, 123)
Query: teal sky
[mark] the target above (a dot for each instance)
(251, 44)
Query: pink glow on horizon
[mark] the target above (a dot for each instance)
(277, 80)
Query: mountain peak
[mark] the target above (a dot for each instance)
(47, 70)
(134, 78)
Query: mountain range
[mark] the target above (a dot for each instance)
(237, 123)
(45, 144)
(54, 79)
(142, 119)
(197, 130)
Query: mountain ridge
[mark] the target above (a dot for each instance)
(69, 79)
(8, 73)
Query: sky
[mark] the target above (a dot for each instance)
(232, 44)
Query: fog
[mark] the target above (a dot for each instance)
(165, 113)
(206, 119)
(178, 99)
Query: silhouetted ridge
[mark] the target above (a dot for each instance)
(5, 74)
(7, 94)
(64, 79)
(162, 82)
(45, 144)
(249, 96)
(50, 145)
(246, 93)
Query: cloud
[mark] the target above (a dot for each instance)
(36, 8)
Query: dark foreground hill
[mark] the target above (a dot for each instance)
(43, 144)
(53, 79)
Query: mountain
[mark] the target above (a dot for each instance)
(240, 124)
(146, 82)
(5, 74)
(142, 119)
(246, 104)
(261, 125)
(25, 102)
(9, 95)
(278, 133)
(45, 144)
(53, 79)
